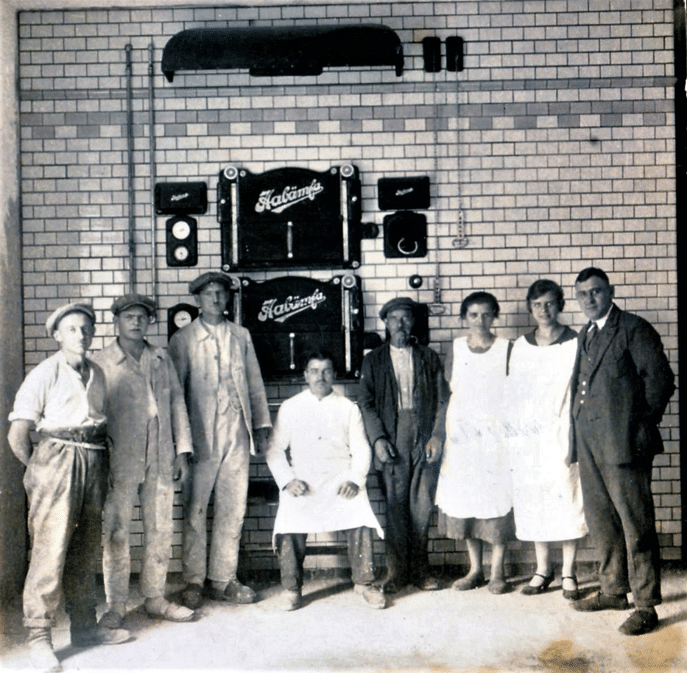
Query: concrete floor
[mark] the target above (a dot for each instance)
(439, 631)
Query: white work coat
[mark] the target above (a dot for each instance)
(194, 352)
(327, 446)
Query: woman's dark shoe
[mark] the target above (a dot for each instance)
(570, 594)
(469, 582)
(530, 590)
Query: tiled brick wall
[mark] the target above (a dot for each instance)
(552, 150)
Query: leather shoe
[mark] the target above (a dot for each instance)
(192, 596)
(234, 592)
(111, 620)
(641, 621)
(499, 586)
(428, 583)
(529, 590)
(372, 595)
(392, 587)
(571, 594)
(469, 582)
(601, 601)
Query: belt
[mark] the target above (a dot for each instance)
(94, 435)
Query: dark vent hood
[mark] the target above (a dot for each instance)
(282, 50)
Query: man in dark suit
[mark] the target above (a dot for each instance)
(621, 385)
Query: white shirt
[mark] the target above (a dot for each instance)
(53, 396)
(402, 361)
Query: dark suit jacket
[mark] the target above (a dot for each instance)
(378, 393)
(629, 387)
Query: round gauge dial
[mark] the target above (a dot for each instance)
(181, 230)
(182, 318)
(181, 253)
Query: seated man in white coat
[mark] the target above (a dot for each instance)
(319, 456)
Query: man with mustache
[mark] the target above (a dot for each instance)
(402, 386)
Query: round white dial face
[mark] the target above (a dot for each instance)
(181, 253)
(182, 318)
(181, 230)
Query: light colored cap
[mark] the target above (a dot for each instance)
(54, 318)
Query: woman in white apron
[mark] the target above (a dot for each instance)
(547, 500)
(474, 490)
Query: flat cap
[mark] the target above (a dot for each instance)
(52, 323)
(133, 299)
(398, 302)
(195, 286)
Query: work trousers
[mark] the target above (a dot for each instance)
(409, 485)
(226, 473)
(619, 510)
(157, 499)
(65, 485)
(291, 548)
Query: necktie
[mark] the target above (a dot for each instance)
(591, 333)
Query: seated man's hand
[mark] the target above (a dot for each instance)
(296, 487)
(384, 450)
(348, 490)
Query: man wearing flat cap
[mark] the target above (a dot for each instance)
(63, 399)
(230, 420)
(402, 386)
(151, 443)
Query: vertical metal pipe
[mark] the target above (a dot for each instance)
(151, 122)
(130, 162)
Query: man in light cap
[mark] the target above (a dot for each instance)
(230, 420)
(63, 399)
(151, 443)
(402, 386)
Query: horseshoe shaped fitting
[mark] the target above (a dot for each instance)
(407, 252)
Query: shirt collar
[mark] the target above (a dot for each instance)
(602, 321)
(123, 355)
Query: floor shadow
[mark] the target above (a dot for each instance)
(324, 592)
(673, 619)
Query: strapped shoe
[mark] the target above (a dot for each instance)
(570, 594)
(372, 595)
(641, 621)
(601, 601)
(530, 590)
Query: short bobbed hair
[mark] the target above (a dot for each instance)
(480, 297)
(541, 287)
